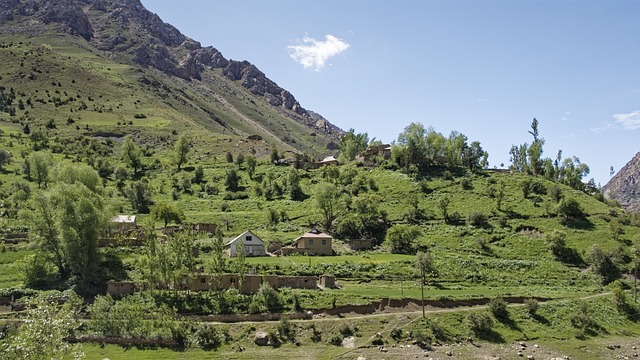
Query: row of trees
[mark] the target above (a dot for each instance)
(527, 158)
(418, 148)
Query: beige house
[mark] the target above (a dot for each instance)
(253, 245)
(360, 244)
(314, 242)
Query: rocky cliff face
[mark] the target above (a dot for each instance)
(624, 187)
(126, 29)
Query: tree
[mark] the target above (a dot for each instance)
(66, 221)
(69, 173)
(535, 150)
(251, 165)
(635, 266)
(181, 150)
(326, 197)
(5, 158)
(131, 154)
(240, 160)
(139, 196)
(44, 331)
(443, 204)
(604, 264)
(293, 185)
(39, 164)
(232, 181)
(167, 213)
(474, 157)
(352, 144)
(401, 238)
(424, 264)
(570, 210)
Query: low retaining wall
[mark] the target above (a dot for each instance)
(234, 318)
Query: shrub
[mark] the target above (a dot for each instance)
(477, 219)
(345, 330)
(465, 183)
(480, 323)
(498, 308)
(336, 339)
(531, 305)
(286, 330)
(208, 337)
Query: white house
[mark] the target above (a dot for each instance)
(253, 245)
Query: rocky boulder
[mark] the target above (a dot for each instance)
(261, 338)
(624, 186)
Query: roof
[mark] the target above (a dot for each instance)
(315, 234)
(124, 219)
(242, 236)
(331, 158)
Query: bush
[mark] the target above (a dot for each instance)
(286, 330)
(498, 308)
(345, 330)
(336, 339)
(531, 305)
(477, 219)
(480, 323)
(208, 337)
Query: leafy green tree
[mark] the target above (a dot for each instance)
(5, 158)
(519, 159)
(293, 185)
(604, 264)
(167, 213)
(352, 144)
(240, 160)
(42, 219)
(232, 180)
(327, 197)
(475, 157)
(139, 195)
(251, 165)
(569, 209)
(572, 172)
(181, 151)
(70, 173)
(43, 334)
(40, 163)
(401, 238)
(424, 264)
(229, 157)
(443, 204)
(198, 175)
(535, 150)
(131, 154)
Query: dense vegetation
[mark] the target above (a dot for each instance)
(75, 153)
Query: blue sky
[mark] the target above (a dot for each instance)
(483, 68)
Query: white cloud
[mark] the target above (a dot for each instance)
(630, 121)
(315, 53)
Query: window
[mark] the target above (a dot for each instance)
(202, 280)
(324, 242)
(248, 238)
(310, 241)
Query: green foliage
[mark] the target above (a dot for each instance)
(167, 213)
(479, 323)
(604, 264)
(181, 151)
(401, 238)
(498, 308)
(44, 332)
(532, 306)
(5, 158)
(131, 154)
(478, 219)
(351, 145)
(139, 196)
(326, 197)
(232, 181)
(570, 210)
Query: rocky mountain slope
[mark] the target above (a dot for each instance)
(124, 32)
(625, 185)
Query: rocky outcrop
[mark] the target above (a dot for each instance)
(125, 30)
(624, 187)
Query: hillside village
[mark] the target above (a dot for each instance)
(178, 208)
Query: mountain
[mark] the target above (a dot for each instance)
(624, 187)
(175, 83)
